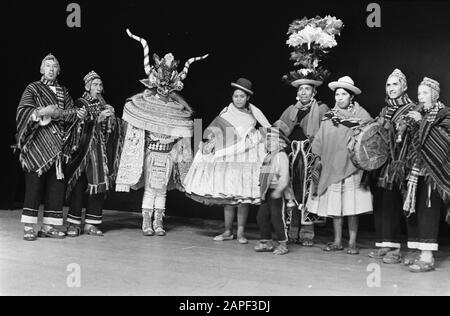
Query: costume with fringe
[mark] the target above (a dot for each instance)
(428, 188)
(43, 150)
(390, 180)
(163, 122)
(93, 166)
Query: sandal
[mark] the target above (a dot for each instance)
(333, 247)
(411, 259)
(264, 247)
(353, 251)
(93, 231)
(223, 237)
(379, 254)
(29, 234)
(281, 250)
(307, 243)
(73, 230)
(52, 233)
(242, 240)
(392, 257)
(421, 266)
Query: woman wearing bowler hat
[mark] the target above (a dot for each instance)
(227, 166)
(338, 192)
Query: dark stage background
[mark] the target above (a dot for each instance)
(244, 38)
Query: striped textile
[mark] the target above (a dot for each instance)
(90, 145)
(334, 117)
(394, 170)
(430, 151)
(390, 111)
(41, 146)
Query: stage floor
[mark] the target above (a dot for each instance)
(187, 262)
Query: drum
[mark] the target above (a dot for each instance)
(369, 146)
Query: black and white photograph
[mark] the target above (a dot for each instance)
(225, 154)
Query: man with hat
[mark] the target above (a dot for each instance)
(390, 178)
(301, 122)
(94, 149)
(428, 188)
(43, 150)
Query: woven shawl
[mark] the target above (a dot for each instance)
(330, 143)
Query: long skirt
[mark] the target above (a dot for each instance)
(345, 198)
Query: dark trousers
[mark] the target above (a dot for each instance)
(270, 215)
(47, 188)
(388, 216)
(423, 226)
(79, 197)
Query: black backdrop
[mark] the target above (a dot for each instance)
(244, 38)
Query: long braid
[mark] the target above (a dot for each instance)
(146, 51)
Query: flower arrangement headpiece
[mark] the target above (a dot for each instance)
(311, 40)
(163, 75)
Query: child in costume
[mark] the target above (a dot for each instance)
(274, 180)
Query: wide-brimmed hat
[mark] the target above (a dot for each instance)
(345, 82)
(297, 83)
(243, 84)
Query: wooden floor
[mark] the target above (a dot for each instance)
(188, 262)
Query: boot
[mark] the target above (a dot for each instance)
(147, 229)
(158, 223)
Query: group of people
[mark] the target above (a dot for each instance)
(80, 150)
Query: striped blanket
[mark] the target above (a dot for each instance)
(41, 146)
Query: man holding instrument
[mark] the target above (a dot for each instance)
(42, 150)
(91, 169)
(391, 177)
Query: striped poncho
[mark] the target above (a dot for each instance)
(394, 170)
(96, 148)
(429, 154)
(41, 146)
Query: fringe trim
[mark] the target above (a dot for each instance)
(444, 195)
(122, 188)
(94, 189)
(97, 188)
(46, 167)
(409, 206)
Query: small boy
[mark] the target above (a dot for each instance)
(274, 180)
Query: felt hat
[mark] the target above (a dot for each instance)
(243, 84)
(345, 82)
